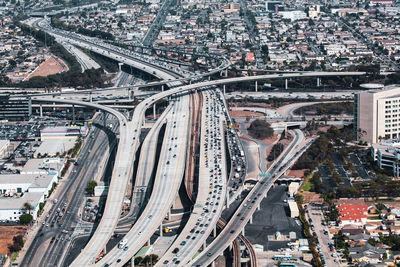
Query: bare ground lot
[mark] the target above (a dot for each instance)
(244, 113)
(52, 65)
(6, 236)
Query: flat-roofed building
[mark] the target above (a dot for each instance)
(18, 184)
(4, 144)
(294, 210)
(63, 132)
(55, 147)
(11, 208)
(377, 114)
(44, 166)
(15, 108)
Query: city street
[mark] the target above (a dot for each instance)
(315, 214)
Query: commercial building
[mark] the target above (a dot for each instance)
(44, 166)
(15, 108)
(32, 185)
(294, 210)
(293, 15)
(11, 208)
(55, 147)
(4, 144)
(387, 155)
(61, 132)
(17, 184)
(377, 114)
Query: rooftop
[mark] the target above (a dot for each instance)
(34, 180)
(353, 212)
(10, 203)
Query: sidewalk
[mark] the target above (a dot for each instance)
(32, 231)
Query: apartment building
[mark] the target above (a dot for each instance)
(377, 114)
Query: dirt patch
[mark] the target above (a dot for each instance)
(245, 113)
(311, 197)
(270, 140)
(52, 65)
(323, 129)
(297, 173)
(6, 236)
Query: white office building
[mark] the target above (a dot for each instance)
(387, 155)
(293, 15)
(32, 185)
(4, 144)
(377, 114)
(11, 208)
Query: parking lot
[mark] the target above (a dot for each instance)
(320, 231)
(273, 217)
(90, 210)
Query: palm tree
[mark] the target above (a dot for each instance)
(28, 206)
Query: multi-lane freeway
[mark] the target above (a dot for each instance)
(171, 164)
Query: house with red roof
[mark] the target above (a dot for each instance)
(355, 214)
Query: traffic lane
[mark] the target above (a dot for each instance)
(258, 190)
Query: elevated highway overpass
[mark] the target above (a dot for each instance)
(131, 129)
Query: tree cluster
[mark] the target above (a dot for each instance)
(327, 109)
(56, 23)
(90, 187)
(275, 151)
(260, 129)
(18, 243)
(72, 78)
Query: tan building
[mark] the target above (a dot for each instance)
(377, 114)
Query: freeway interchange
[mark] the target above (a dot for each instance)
(216, 183)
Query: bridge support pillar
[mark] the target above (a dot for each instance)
(286, 84)
(120, 65)
(129, 93)
(169, 215)
(161, 234)
(231, 246)
(215, 231)
(258, 207)
(209, 78)
(318, 82)
(226, 72)
(105, 250)
(149, 242)
(41, 111)
(73, 114)
(154, 112)
(90, 98)
(243, 232)
(251, 219)
(133, 261)
(224, 88)
(162, 88)
(256, 86)
(213, 264)
(54, 106)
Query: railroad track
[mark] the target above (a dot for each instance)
(253, 259)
